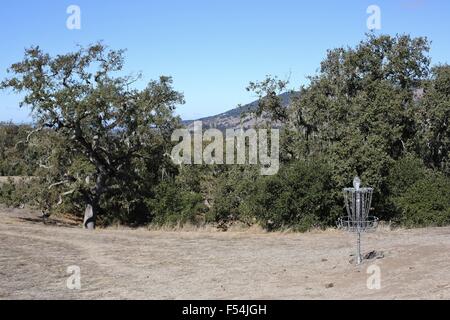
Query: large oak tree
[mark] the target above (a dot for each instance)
(116, 132)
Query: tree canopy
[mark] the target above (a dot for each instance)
(112, 136)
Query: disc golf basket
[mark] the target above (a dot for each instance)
(358, 220)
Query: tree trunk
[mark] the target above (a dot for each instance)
(90, 214)
(92, 202)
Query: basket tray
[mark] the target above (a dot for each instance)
(347, 224)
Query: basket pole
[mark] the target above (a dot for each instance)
(358, 249)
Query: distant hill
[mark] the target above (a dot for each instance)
(232, 118)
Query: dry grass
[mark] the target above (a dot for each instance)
(205, 264)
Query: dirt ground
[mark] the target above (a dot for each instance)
(142, 264)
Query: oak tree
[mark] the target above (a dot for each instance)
(112, 133)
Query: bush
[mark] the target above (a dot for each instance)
(231, 199)
(8, 195)
(34, 193)
(17, 158)
(301, 197)
(173, 205)
(426, 202)
(405, 173)
(16, 194)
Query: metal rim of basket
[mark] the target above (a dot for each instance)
(347, 224)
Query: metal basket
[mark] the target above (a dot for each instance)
(350, 225)
(357, 202)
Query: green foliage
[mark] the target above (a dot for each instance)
(232, 193)
(16, 157)
(434, 120)
(117, 133)
(269, 102)
(357, 110)
(17, 192)
(426, 202)
(300, 197)
(174, 205)
(405, 173)
(11, 195)
(376, 110)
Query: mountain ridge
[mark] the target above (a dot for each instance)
(232, 119)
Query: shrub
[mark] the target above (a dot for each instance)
(8, 195)
(16, 193)
(173, 205)
(34, 192)
(404, 173)
(231, 199)
(301, 196)
(426, 202)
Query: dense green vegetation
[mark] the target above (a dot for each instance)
(379, 110)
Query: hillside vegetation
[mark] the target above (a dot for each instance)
(379, 110)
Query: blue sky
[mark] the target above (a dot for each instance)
(212, 48)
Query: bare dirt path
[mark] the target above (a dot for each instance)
(139, 264)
